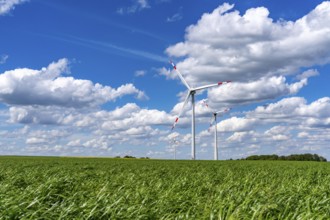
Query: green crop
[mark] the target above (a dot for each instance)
(99, 188)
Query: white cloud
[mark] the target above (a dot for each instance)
(35, 140)
(288, 126)
(296, 110)
(74, 143)
(47, 87)
(302, 134)
(140, 73)
(7, 5)
(278, 133)
(124, 122)
(307, 74)
(319, 108)
(284, 108)
(235, 124)
(46, 115)
(88, 129)
(101, 143)
(44, 137)
(132, 116)
(259, 90)
(280, 137)
(252, 49)
(243, 136)
(276, 130)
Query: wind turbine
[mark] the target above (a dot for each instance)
(191, 93)
(174, 142)
(214, 120)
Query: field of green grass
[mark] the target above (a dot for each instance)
(99, 188)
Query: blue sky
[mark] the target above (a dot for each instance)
(93, 78)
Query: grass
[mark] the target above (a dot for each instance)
(95, 188)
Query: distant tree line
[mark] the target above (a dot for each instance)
(297, 157)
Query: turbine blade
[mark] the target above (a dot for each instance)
(211, 123)
(211, 85)
(205, 103)
(181, 77)
(184, 104)
(223, 111)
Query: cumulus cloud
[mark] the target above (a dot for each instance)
(260, 90)
(126, 121)
(283, 116)
(252, 49)
(278, 133)
(48, 87)
(235, 124)
(35, 140)
(101, 143)
(291, 125)
(246, 47)
(74, 143)
(296, 110)
(87, 129)
(43, 138)
(46, 115)
(130, 115)
(242, 137)
(7, 5)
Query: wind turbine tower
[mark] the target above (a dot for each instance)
(174, 143)
(216, 132)
(191, 93)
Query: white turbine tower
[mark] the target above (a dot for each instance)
(192, 92)
(174, 143)
(214, 120)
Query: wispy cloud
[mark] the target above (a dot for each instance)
(104, 20)
(176, 17)
(3, 58)
(7, 5)
(137, 53)
(111, 48)
(140, 73)
(138, 5)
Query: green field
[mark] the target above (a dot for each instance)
(90, 188)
